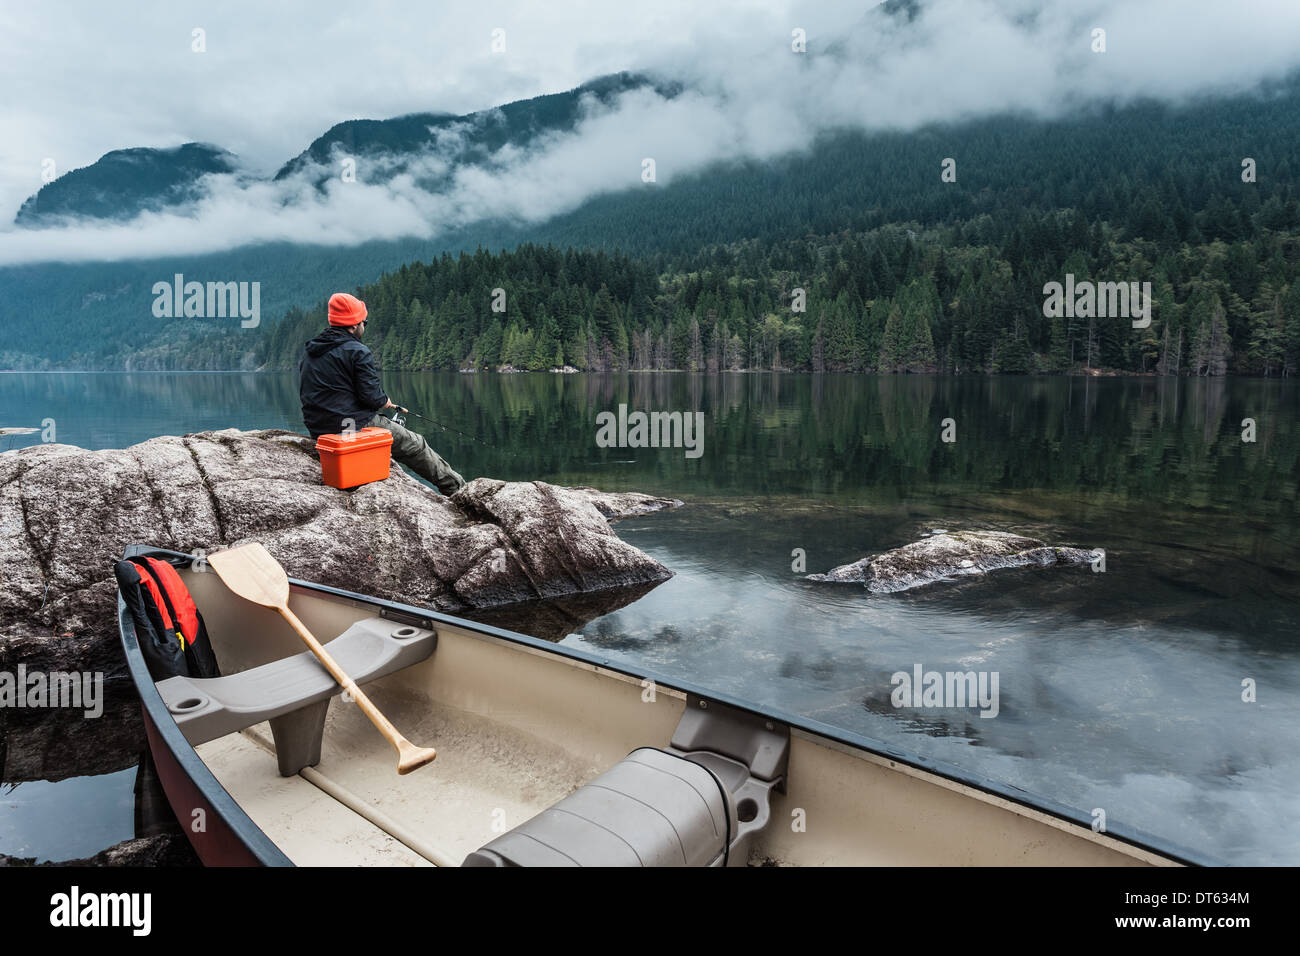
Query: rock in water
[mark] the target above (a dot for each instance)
(952, 553)
(615, 505)
(66, 514)
(552, 541)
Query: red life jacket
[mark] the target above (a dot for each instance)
(171, 597)
(169, 628)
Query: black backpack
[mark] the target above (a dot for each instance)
(168, 625)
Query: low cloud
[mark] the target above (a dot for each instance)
(747, 96)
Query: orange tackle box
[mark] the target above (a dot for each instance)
(349, 460)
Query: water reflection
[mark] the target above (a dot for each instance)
(1121, 690)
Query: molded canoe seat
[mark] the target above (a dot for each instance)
(206, 709)
(653, 808)
(703, 801)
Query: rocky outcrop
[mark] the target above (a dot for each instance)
(559, 541)
(950, 554)
(615, 505)
(66, 514)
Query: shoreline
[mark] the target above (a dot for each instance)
(1091, 373)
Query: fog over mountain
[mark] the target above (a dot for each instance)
(726, 86)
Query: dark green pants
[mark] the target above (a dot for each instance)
(414, 452)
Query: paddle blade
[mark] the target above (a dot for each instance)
(251, 572)
(411, 757)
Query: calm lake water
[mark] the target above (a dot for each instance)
(1120, 690)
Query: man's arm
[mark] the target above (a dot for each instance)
(370, 391)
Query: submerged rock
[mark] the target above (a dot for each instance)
(951, 553)
(557, 618)
(54, 743)
(67, 514)
(164, 849)
(615, 505)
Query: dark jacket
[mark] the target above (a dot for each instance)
(338, 380)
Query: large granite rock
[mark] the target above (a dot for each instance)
(949, 554)
(66, 514)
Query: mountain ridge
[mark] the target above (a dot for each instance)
(143, 178)
(146, 178)
(1148, 170)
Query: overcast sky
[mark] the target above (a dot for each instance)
(83, 78)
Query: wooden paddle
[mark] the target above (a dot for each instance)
(250, 572)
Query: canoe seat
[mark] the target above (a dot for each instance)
(652, 809)
(292, 693)
(700, 802)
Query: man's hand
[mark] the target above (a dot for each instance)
(389, 404)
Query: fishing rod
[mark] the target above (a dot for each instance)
(447, 428)
(497, 448)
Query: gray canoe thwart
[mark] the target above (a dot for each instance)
(292, 693)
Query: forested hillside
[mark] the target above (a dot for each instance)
(893, 299)
(901, 270)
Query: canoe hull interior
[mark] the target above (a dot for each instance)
(521, 724)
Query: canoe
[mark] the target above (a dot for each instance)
(547, 756)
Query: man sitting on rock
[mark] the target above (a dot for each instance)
(340, 390)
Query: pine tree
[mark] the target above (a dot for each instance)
(1291, 329)
(1013, 356)
(596, 359)
(603, 316)
(1219, 347)
(922, 313)
(620, 355)
(892, 345)
(1090, 344)
(770, 340)
(839, 344)
(641, 350)
(920, 354)
(488, 346)
(1200, 357)
(1164, 366)
(1149, 346)
(543, 349)
(1058, 357)
(735, 354)
(1267, 337)
(576, 347)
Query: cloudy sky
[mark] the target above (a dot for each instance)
(85, 77)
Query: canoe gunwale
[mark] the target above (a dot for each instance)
(857, 744)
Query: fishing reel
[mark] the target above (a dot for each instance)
(394, 415)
